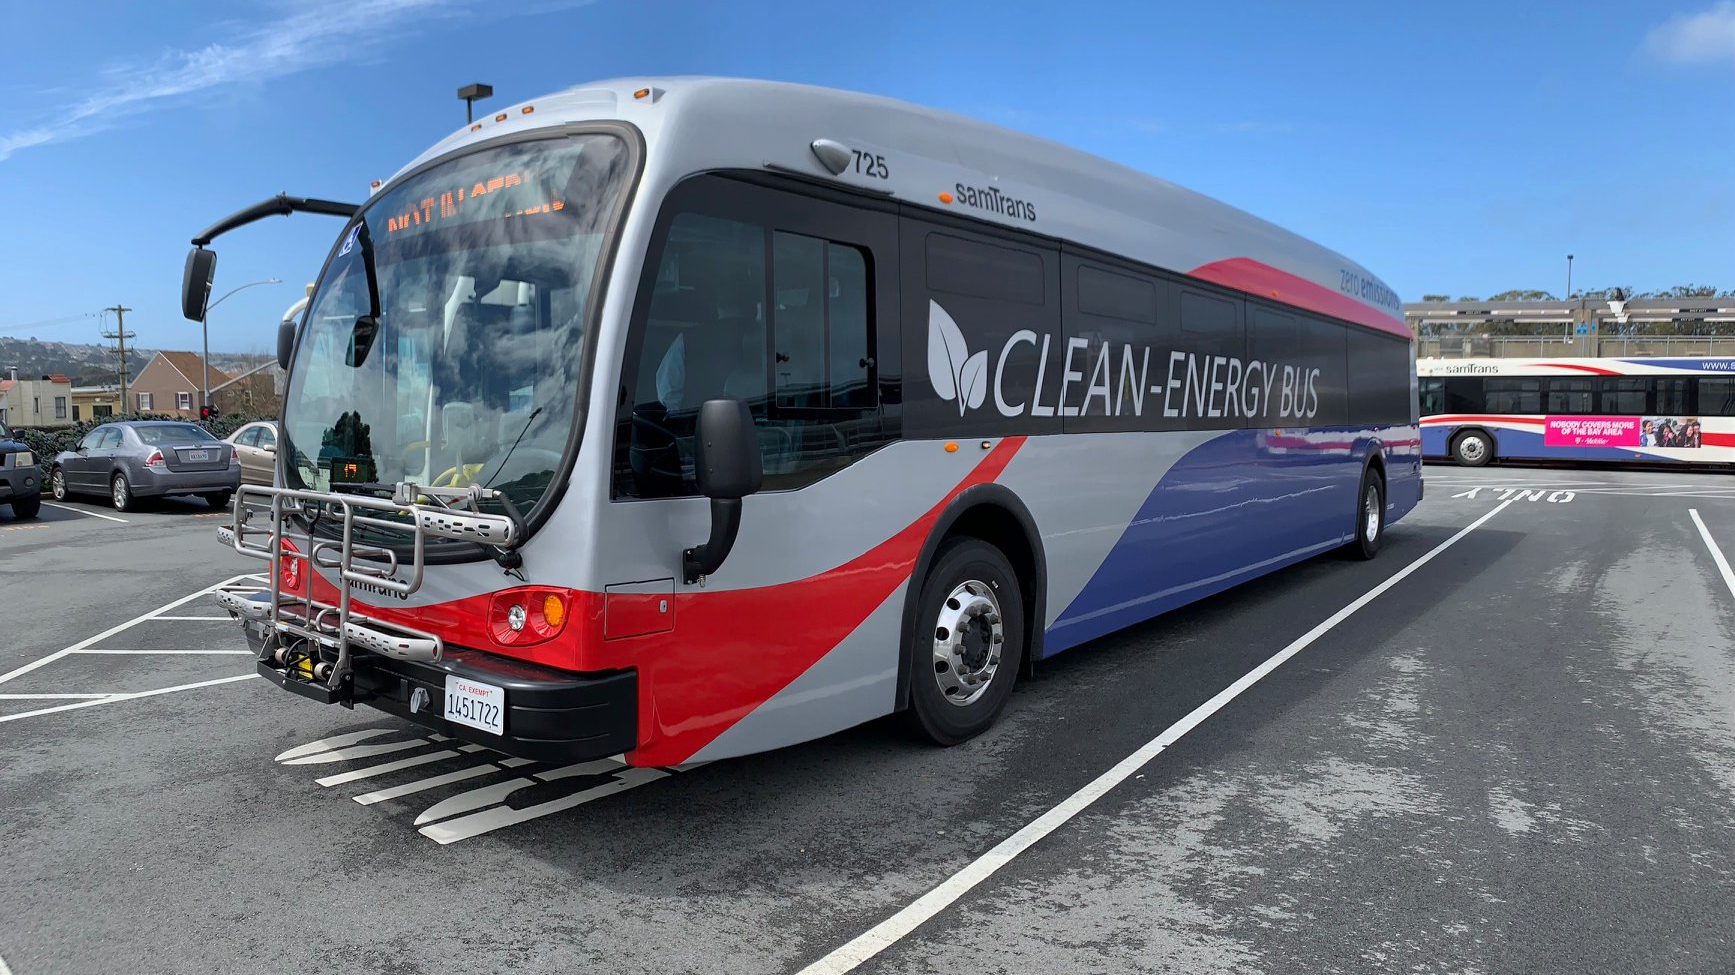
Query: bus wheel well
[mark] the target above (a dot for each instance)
(992, 513)
(1002, 529)
(1377, 463)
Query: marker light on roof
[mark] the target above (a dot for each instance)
(642, 93)
(501, 117)
(945, 197)
(526, 110)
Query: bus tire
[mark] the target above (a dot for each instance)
(1370, 516)
(966, 643)
(1473, 448)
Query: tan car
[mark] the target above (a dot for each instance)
(256, 443)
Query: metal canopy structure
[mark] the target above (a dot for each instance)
(1452, 317)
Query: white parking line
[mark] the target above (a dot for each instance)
(128, 696)
(111, 631)
(202, 653)
(193, 619)
(52, 697)
(1716, 553)
(893, 929)
(81, 511)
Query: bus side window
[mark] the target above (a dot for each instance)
(1513, 395)
(1464, 395)
(1433, 396)
(1624, 395)
(1570, 395)
(1716, 397)
(1671, 396)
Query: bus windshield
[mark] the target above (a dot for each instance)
(458, 363)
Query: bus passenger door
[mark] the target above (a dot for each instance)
(787, 302)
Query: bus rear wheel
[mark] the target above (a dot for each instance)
(966, 643)
(1370, 516)
(1472, 448)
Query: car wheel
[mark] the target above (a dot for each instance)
(26, 508)
(966, 642)
(121, 493)
(217, 499)
(1473, 448)
(57, 484)
(1370, 516)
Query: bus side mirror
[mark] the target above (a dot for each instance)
(285, 342)
(196, 283)
(727, 464)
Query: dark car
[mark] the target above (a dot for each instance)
(20, 479)
(133, 459)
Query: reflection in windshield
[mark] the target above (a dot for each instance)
(484, 268)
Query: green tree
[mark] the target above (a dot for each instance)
(1523, 295)
(1436, 298)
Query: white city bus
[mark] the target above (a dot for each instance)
(1641, 410)
(688, 418)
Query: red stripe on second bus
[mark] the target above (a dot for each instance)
(1461, 419)
(1593, 370)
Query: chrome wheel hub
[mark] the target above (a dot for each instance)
(969, 636)
(1371, 514)
(120, 492)
(1472, 448)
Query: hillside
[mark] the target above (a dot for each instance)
(91, 365)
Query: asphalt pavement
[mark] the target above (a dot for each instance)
(1516, 753)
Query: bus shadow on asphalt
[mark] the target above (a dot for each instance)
(1085, 710)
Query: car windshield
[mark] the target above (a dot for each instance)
(156, 436)
(484, 269)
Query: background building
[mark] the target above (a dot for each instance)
(1584, 326)
(172, 382)
(44, 402)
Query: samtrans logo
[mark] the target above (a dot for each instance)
(1116, 379)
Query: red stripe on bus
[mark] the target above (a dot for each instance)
(1717, 439)
(727, 652)
(1593, 370)
(1460, 419)
(1265, 281)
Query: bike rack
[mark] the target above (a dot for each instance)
(296, 516)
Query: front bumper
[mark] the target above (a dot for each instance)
(551, 715)
(24, 482)
(152, 483)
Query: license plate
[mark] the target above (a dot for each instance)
(476, 704)
(198, 455)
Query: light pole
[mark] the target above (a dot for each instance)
(205, 358)
(1569, 277)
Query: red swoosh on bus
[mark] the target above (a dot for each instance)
(730, 650)
(1265, 281)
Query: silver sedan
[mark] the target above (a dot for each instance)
(133, 459)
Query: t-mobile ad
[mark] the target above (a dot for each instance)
(1591, 431)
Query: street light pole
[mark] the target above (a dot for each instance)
(1569, 277)
(205, 334)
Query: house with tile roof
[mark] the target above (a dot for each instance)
(172, 382)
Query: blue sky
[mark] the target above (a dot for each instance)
(1460, 147)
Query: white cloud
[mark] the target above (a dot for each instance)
(1708, 35)
(317, 34)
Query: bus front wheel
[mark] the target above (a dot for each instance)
(966, 643)
(1472, 448)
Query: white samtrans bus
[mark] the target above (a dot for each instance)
(687, 418)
